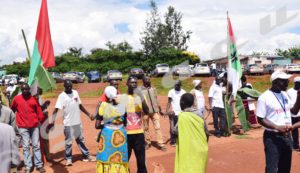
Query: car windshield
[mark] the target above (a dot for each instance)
(70, 73)
(162, 65)
(113, 71)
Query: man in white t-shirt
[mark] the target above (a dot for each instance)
(69, 102)
(274, 110)
(174, 96)
(213, 68)
(292, 93)
(215, 97)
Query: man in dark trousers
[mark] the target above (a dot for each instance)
(134, 127)
(275, 116)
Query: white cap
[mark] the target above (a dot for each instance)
(279, 75)
(297, 79)
(196, 82)
(11, 82)
(110, 92)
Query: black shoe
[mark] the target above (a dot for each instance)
(218, 135)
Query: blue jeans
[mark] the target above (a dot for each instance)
(32, 134)
(74, 132)
(278, 152)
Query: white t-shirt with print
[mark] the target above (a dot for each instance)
(175, 96)
(69, 104)
(271, 106)
(216, 93)
(292, 93)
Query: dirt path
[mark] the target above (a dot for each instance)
(233, 154)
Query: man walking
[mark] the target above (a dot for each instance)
(292, 93)
(174, 96)
(149, 95)
(215, 97)
(29, 115)
(275, 116)
(69, 102)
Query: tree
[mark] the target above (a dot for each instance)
(160, 35)
(293, 52)
(176, 37)
(75, 52)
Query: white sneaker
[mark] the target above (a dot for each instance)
(89, 159)
(69, 162)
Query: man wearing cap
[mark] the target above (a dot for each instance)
(292, 93)
(69, 102)
(274, 110)
(199, 101)
(174, 96)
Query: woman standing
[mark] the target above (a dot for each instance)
(112, 155)
(192, 145)
(199, 102)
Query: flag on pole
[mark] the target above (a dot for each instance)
(43, 54)
(234, 64)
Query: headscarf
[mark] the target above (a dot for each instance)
(196, 82)
(110, 92)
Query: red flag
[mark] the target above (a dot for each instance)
(43, 37)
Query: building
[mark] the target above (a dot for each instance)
(253, 59)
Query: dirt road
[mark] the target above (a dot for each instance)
(234, 154)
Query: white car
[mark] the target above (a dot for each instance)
(10, 77)
(292, 68)
(160, 70)
(201, 69)
(182, 70)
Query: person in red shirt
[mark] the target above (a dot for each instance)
(28, 115)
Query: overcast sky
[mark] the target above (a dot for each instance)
(258, 25)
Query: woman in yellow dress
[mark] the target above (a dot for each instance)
(112, 154)
(191, 146)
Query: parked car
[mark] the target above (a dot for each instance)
(57, 77)
(201, 69)
(269, 68)
(160, 70)
(10, 77)
(292, 68)
(72, 76)
(182, 70)
(254, 69)
(137, 72)
(279, 68)
(112, 74)
(93, 76)
(81, 77)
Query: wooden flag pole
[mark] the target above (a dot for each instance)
(27, 48)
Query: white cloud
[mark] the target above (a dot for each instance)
(91, 23)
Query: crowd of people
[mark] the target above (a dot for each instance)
(122, 121)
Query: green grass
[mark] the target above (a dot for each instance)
(163, 85)
(244, 136)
